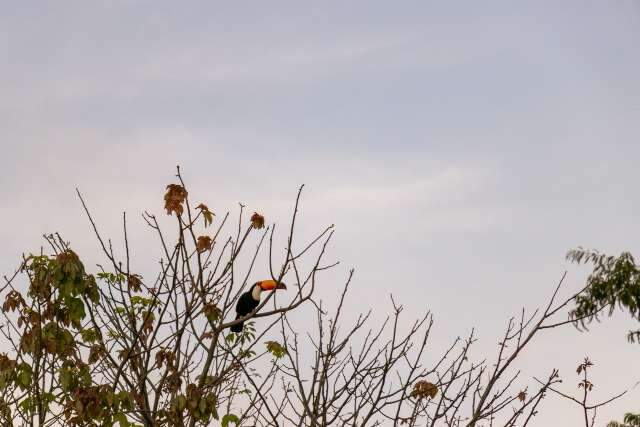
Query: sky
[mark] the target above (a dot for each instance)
(460, 148)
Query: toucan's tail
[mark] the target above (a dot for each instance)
(237, 328)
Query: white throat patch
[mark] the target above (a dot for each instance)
(255, 293)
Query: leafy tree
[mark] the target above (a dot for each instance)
(113, 347)
(613, 283)
(630, 420)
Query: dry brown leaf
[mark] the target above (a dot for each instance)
(424, 389)
(174, 198)
(135, 282)
(204, 243)
(257, 220)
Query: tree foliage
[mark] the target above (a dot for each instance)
(630, 420)
(613, 283)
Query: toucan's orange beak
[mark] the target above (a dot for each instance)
(269, 285)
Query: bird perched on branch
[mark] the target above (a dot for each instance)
(249, 300)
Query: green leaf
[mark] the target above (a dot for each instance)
(230, 418)
(76, 309)
(122, 420)
(230, 338)
(89, 335)
(24, 380)
(206, 214)
(65, 379)
(27, 405)
(277, 349)
(246, 354)
(208, 218)
(24, 376)
(66, 288)
(126, 400)
(181, 402)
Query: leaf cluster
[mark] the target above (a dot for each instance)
(613, 283)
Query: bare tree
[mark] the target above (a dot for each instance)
(387, 378)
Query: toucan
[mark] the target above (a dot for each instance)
(250, 299)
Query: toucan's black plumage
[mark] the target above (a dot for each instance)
(249, 300)
(246, 304)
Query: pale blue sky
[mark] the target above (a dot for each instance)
(460, 149)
